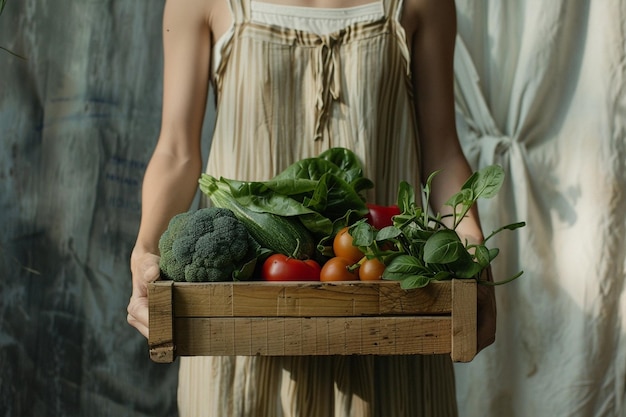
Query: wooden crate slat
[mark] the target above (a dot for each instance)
(161, 316)
(293, 336)
(463, 321)
(246, 299)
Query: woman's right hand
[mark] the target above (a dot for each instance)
(145, 269)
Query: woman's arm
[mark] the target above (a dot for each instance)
(171, 177)
(432, 29)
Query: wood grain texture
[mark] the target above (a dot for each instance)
(464, 309)
(161, 315)
(246, 299)
(311, 318)
(276, 336)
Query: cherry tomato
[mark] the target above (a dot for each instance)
(343, 247)
(371, 270)
(279, 267)
(381, 216)
(337, 269)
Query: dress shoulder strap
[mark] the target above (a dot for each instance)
(393, 8)
(240, 10)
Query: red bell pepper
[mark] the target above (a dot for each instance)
(381, 216)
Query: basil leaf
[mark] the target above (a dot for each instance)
(443, 247)
(416, 281)
(487, 182)
(388, 232)
(483, 256)
(362, 234)
(462, 197)
(406, 198)
(404, 264)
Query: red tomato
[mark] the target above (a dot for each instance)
(337, 269)
(279, 267)
(343, 247)
(381, 216)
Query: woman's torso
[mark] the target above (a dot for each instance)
(286, 93)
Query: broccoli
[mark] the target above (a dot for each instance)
(209, 244)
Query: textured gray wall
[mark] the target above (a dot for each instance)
(78, 120)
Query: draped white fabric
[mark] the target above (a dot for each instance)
(541, 90)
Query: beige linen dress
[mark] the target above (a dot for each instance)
(284, 94)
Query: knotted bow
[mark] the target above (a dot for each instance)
(328, 82)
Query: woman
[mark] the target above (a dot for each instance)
(293, 78)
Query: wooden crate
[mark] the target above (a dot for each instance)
(311, 318)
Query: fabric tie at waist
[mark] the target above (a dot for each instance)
(328, 80)
(495, 146)
(485, 149)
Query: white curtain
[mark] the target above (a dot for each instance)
(541, 90)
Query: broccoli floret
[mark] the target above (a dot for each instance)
(209, 244)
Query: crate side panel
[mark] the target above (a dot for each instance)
(203, 299)
(298, 299)
(313, 336)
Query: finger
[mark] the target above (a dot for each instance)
(138, 314)
(149, 271)
(143, 329)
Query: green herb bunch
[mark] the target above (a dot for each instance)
(420, 247)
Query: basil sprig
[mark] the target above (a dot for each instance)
(426, 246)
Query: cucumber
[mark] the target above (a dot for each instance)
(280, 234)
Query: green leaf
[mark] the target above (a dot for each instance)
(487, 182)
(394, 276)
(406, 198)
(464, 196)
(361, 184)
(401, 219)
(342, 158)
(256, 196)
(348, 168)
(514, 226)
(404, 264)
(428, 186)
(442, 275)
(466, 269)
(334, 197)
(443, 247)
(482, 255)
(416, 281)
(362, 234)
(291, 186)
(317, 224)
(430, 179)
(388, 232)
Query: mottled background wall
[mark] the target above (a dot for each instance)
(79, 116)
